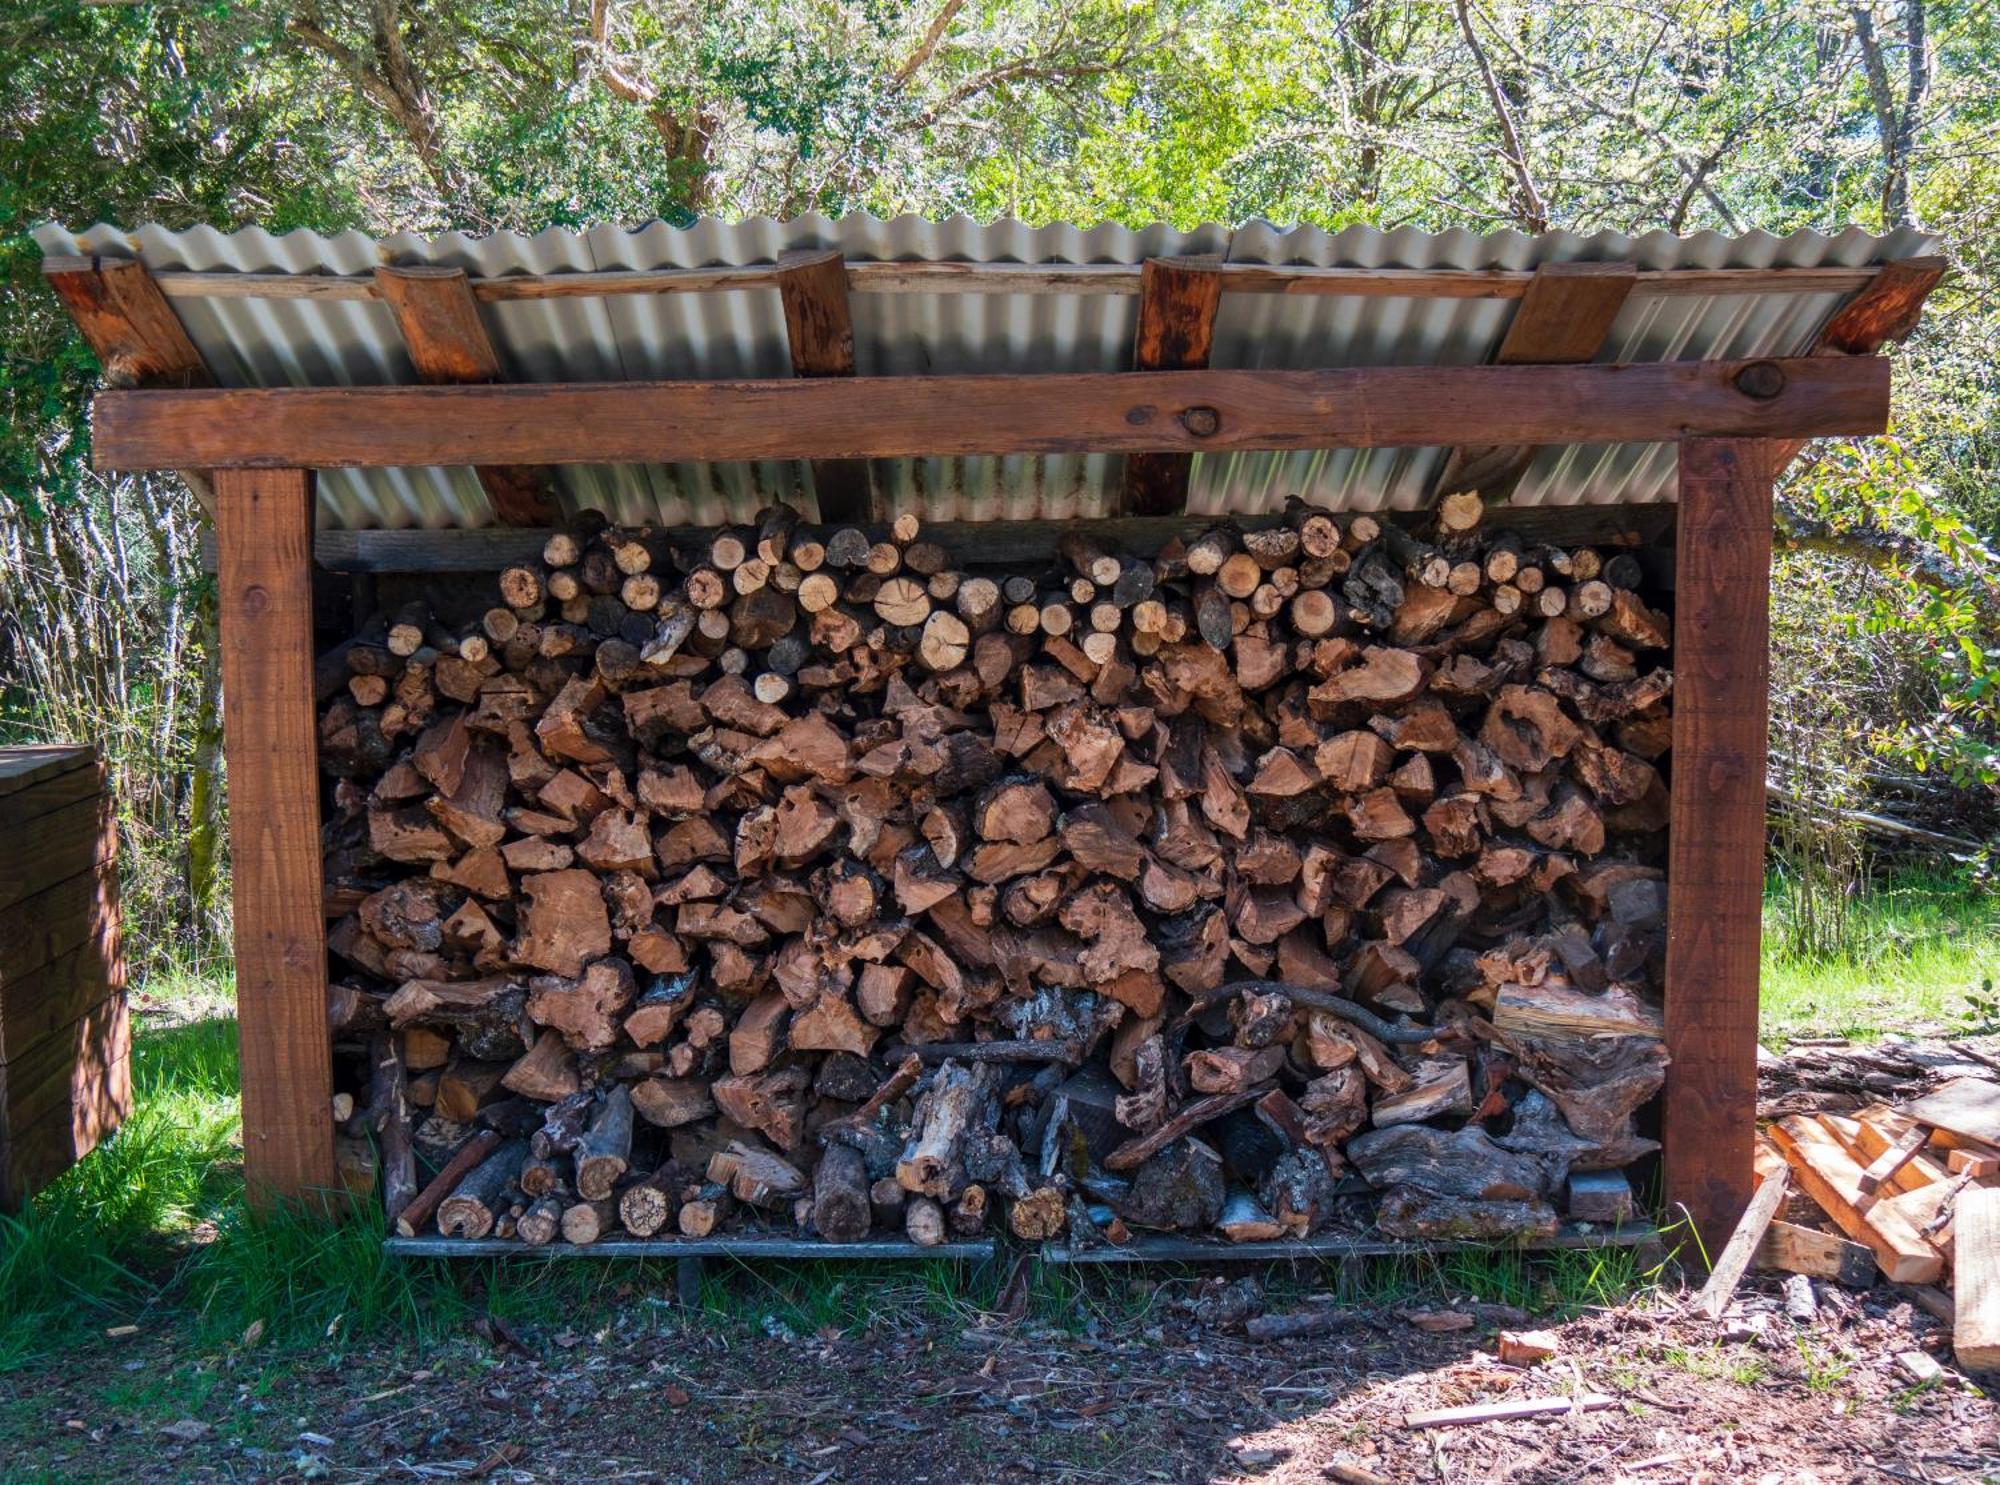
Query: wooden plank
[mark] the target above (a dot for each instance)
(45, 849)
(62, 1097)
(1019, 278)
(41, 1002)
(119, 308)
(449, 346)
(1964, 1106)
(1888, 1150)
(1884, 311)
(1975, 1284)
(1716, 831)
(1564, 319)
(57, 791)
(1792, 1249)
(45, 925)
(1830, 1176)
(1163, 1247)
(1177, 303)
(819, 328)
(263, 554)
(1734, 1259)
(26, 766)
(740, 1245)
(868, 417)
(970, 543)
(34, 1155)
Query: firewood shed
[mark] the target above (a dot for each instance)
(384, 427)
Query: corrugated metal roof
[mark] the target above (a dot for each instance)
(741, 333)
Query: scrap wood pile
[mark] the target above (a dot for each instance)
(1286, 879)
(1913, 1186)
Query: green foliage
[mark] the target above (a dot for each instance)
(487, 115)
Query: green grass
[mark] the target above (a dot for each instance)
(1922, 954)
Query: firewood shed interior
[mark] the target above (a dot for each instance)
(887, 737)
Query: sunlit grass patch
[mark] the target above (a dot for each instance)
(1922, 952)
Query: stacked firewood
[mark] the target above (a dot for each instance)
(1285, 879)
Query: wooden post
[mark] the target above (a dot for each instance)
(449, 346)
(1715, 871)
(263, 553)
(820, 327)
(1177, 305)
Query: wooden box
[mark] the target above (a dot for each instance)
(65, 1033)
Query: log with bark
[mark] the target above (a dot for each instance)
(802, 880)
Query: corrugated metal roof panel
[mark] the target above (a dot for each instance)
(341, 342)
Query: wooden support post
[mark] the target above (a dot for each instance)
(1715, 870)
(449, 346)
(263, 550)
(1564, 319)
(820, 326)
(1177, 305)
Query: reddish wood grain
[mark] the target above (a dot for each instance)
(1178, 299)
(868, 417)
(820, 328)
(1564, 319)
(263, 547)
(1715, 869)
(1887, 310)
(449, 346)
(128, 322)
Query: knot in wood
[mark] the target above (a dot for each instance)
(1201, 421)
(1761, 379)
(256, 600)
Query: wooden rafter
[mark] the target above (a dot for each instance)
(1564, 319)
(1883, 313)
(139, 340)
(884, 417)
(449, 346)
(128, 322)
(1177, 303)
(820, 329)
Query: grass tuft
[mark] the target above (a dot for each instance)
(1921, 951)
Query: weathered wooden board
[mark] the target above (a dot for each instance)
(448, 345)
(43, 1002)
(1966, 1106)
(36, 763)
(264, 556)
(1715, 845)
(60, 1098)
(1564, 318)
(50, 923)
(1975, 1285)
(867, 417)
(1177, 305)
(819, 328)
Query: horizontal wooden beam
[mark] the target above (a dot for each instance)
(1018, 278)
(969, 543)
(900, 417)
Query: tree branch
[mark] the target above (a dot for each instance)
(1537, 211)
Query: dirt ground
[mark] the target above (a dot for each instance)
(1170, 1390)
